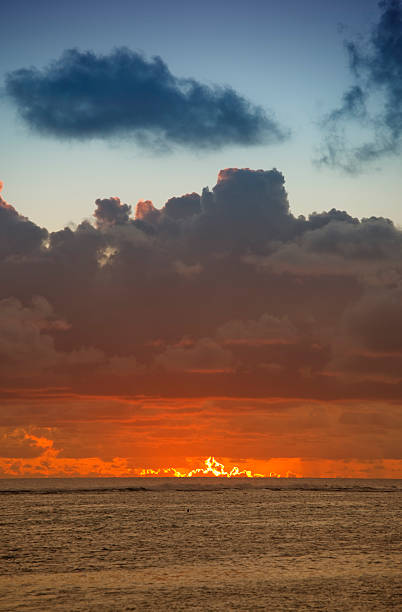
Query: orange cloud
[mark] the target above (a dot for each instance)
(49, 463)
(78, 435)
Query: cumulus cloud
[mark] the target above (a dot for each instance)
(26, 347)
(369, 344)
(23, 348)
(371, 247)
(183, 207)
(146, 210)
(373, 104)
(83, 95)
(18, 235)
(223, 292)
(375, 322)
(111, 211)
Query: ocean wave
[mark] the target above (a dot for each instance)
(193, 485)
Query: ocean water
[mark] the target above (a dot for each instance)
(200, 544)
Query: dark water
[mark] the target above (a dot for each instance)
(266, 544)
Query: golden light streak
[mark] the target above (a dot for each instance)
(212, 469)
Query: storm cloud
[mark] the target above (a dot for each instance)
(372, 108)
(226, 292)
(83, 95)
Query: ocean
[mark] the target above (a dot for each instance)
(200, 544)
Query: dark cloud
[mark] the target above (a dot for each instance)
(111, 211)
(373, 105)
(204, 357)
(83, 95)
(374, 323)
(18, 236)
(184, 207)
(223, 293)
(27, 349)
(266, 330)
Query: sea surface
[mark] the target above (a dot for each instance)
(200, 544)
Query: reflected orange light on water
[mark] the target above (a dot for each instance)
(212, 469)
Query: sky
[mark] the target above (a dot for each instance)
(200, 237)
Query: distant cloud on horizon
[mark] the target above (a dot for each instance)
(83, 95)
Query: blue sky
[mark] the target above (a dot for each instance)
(287, 57)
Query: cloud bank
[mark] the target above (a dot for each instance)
(220, 323)
(373, 104)
(228, 286)
(83, 95)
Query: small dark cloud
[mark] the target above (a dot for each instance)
(111, 211)
(373, 105)
(83, 95)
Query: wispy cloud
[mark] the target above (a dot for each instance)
(373, 104)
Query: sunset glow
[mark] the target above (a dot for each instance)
(212, 469)
(192, 282)
(33, 455)
(200, 305)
